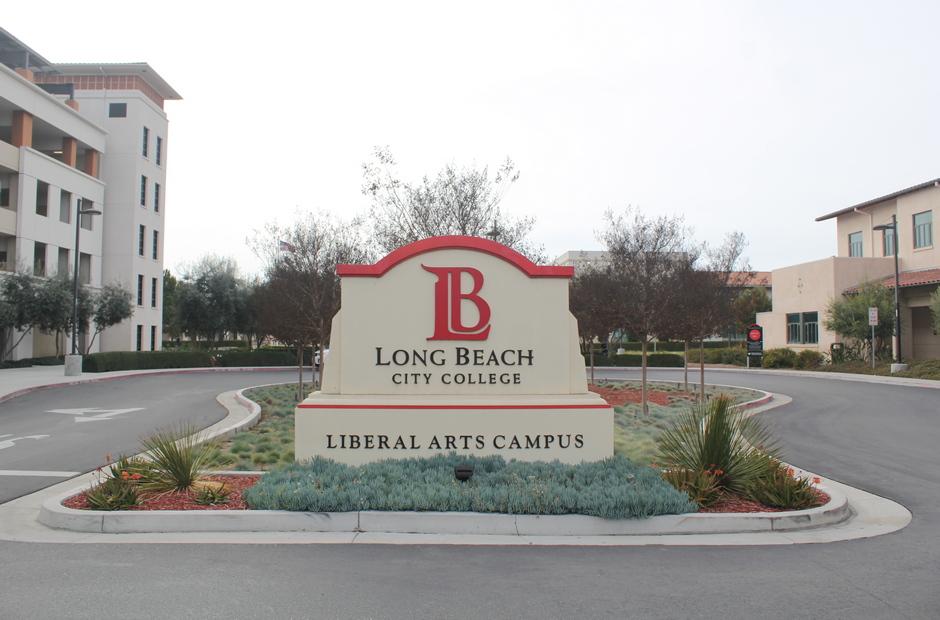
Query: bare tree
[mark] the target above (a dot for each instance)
(711, 290)
(457, 201)
(591, 297)
(301, 292)
(646, 256)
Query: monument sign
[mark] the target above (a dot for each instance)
(454, 344)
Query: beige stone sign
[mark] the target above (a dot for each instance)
(454, 344)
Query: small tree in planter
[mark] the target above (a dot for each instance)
(848, 317)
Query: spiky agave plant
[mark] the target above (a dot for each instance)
(717, 437)
(179, 457)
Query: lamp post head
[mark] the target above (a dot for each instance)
(89, 212)
(891, 226)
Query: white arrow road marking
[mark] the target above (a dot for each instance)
(27, 472)
(100, 414)
(9, 443)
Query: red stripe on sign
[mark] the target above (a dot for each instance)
(311, 406)
(455, 242)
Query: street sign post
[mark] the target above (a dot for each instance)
(873, 322)
(755, 343)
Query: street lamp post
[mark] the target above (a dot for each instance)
(73, 362)
(898, 359)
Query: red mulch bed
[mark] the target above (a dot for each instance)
(185, 500)
(733, 503)
(622, 396)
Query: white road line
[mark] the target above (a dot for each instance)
(27, 472)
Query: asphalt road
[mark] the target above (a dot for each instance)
(880, 438)
(73, 429)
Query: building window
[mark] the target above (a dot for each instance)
(153, 337)
(158, 154)
(39, 259)
(84, 268)
(153, 292)
(117, 110)
(143, 191)
(143, 150)
(140, 337)
(156, 197)
(87, 220)
(156, 244)
(140, 289)
(803, 328)
(65, 207)
(42, 198)
(923, 229)
(888, 246)
(63, 266)
(141, 234)
(855, 244)
(4, 194)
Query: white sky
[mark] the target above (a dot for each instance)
(751, 116)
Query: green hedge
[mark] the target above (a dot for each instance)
(668, 360)
(727, 355)
(142, 360)
(203, 345)
(614, 488)
(258, 357)
(668, 345)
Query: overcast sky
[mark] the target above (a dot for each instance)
(750, 116)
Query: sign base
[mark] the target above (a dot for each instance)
(360, 429)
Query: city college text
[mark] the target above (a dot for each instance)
(460, 356)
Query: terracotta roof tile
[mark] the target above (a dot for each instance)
(907, 279)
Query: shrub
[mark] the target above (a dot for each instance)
(667, 345)
(258, 357)
(614, 488)
(178, 458)
(702, 487)
(716, 436)
(140, 360)
(669, 360)
(112, 494)
(808, 358)
(778, 487)
(779, 358)
(212, 494)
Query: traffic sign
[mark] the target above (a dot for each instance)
(873, 316)
(755, 340)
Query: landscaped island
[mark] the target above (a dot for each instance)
(712, 458)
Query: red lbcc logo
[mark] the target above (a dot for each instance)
(448, 298)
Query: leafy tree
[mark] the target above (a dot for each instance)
(935, 310)
(208, 298)
(457, 201)
(647, 256)
(110, 306)
(171, 327)
(18, 310)
(591, 297)
(301, 291)
(848, 317)
(53, 306)
(746, 305)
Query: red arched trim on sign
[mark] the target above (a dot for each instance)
(458, 242)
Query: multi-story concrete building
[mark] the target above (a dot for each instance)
(95, 133)
(801, 293)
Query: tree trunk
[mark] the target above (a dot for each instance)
(645, 407)
(300, 371)
(686, 365)
(592, 363)
(701, 368)
(16, 344)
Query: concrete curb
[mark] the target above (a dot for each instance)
(145, 373)
(54, 514)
